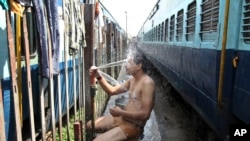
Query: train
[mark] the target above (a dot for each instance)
(201, 47)
(47, 48)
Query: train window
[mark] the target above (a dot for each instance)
(32, 34)
(152, 35)
(171, 28)
(162, 31)
(179, 26)
(159, 33)
(191, 16)
(166, 30)
(155, 33)
(209, 19)
(246, 22)
(156, 30)
(148, 36)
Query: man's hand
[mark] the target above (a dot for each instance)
(115, 111)
(94, 71)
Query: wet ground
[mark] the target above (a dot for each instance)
(171, 119)
(176, 120)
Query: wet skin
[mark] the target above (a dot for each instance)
(140, 89)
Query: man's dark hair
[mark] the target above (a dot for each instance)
(140, 58)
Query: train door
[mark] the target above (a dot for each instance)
(241, 97)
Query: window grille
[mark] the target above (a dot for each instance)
(179, 26)
(209, 19)
(166, 30)
(158, 32)
(162, 31)
(246, 22)
(32, 35)
(155, 32)
(152, 35)
(171, 28)
(191, 18)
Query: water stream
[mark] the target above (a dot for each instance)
(112, 64)
(109, 78)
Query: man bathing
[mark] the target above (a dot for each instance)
(128, 123)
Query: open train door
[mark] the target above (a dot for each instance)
(241, 97)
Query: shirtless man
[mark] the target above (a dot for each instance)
(128, 123)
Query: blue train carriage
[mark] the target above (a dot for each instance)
(114, 43)
(68, 55)
(6, 77)
(187, 42)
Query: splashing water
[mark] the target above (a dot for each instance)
(109, 78)
(112, 64)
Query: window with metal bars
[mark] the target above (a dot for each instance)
(190, 22)
(171, 28)
(151, 34)
(246, 22)
(145, 37)
(162, 31)
(159, 32)
(166, 31)
(32, 34)
(179, 26)
(155, 31)
(209, 19)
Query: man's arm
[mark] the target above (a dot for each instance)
(113, 90)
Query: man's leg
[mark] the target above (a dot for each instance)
(102, 123)
(115, 134)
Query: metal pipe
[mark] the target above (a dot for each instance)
(28, 75)
(12, 63)
(77, 131)
(66, 43)
(223, 55)
(89, 24)
(19, 69)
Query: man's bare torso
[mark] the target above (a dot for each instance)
(135, 97)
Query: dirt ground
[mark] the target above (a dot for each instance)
(176, 120)
(173, 122)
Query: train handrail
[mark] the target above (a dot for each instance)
(223, 56)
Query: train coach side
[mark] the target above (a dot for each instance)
(35, 65)
(205, 62)
(54, 95)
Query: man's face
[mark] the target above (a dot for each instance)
(131, 67)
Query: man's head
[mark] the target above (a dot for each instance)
(136, 62)
(139, 58)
